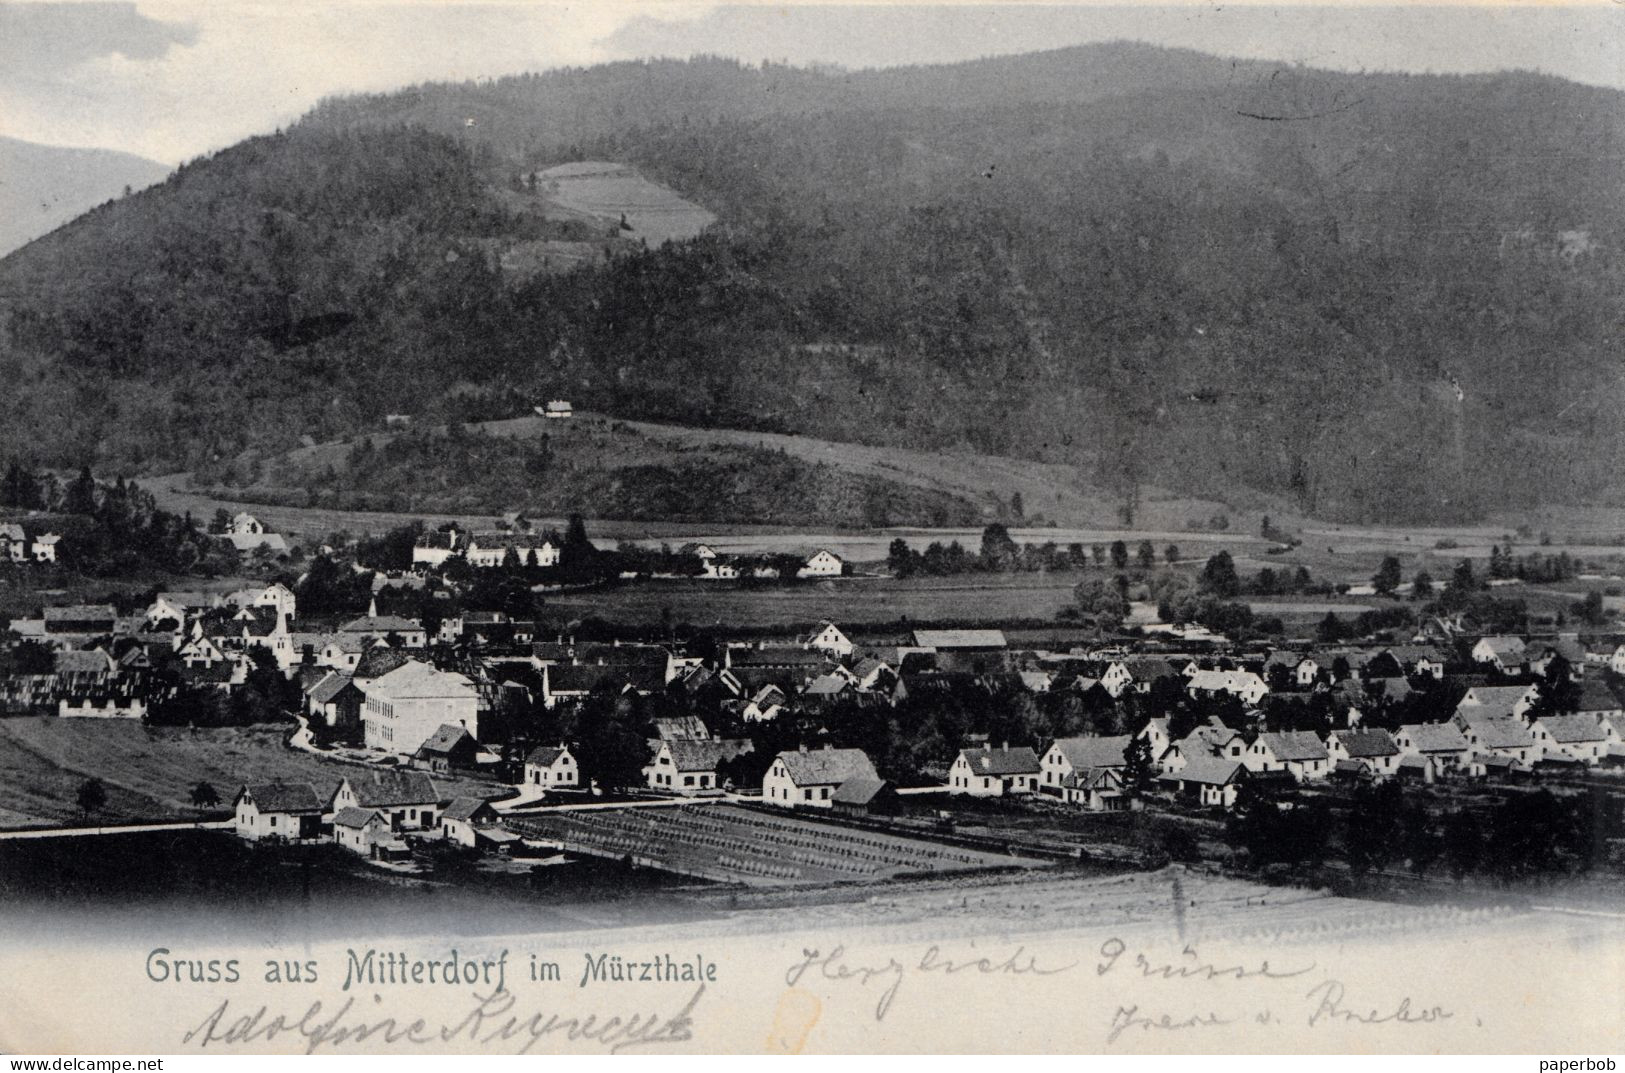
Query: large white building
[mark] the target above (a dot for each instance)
(405, 707)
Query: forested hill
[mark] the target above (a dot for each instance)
(1388, 296)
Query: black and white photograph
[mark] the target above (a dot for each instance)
(677, 528)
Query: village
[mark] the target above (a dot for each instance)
(444, 718)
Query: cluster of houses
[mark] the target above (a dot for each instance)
(373, 813)
(520, 545)
(19, 545)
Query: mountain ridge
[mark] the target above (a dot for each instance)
(1225, 275)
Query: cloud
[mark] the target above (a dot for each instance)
(45, 40)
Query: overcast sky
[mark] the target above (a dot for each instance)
(171, 80)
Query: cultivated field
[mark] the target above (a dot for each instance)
(149, 772)
(739, 845)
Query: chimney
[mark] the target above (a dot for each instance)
(1004, 746)
(801, 747)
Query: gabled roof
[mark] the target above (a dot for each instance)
(1503, 645)
(705, 755)
(1435, 737)
(826, 685)
(858, 790)
(466, 808)
(819, 767)
(1208, 770)
(414, 680)
(1501, 733)
(445, 739)
(1595, 696)
(1362, 743)
(544, 755)
(353, 817)
(330, 687)
(283, 797)
(382, 789)
(1093, 752)
(1294, 745)
(1005, 761)
(380, 625)
(960, 639)
(1573, 729)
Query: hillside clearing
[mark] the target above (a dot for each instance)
(149, 772)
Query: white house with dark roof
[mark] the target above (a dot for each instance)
(1212, 740)
(359, 829)
(1498, 701)
(993, 772)
(552, 767)
(1502, 736)
(1375, 750)
(291, 811)
(688, 768)
(1300, 752)
(472, 822)
(810, 777)
(1443, 744)
(1579, 737)
(1068, 756)
(1211, 781)
(408, 800)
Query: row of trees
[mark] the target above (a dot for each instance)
(1519, 836)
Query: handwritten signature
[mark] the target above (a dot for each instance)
(834, 966)
(1190, 966)
(490, 1021)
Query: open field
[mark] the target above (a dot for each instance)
(149, 772)
(607, 192)
(850, 601)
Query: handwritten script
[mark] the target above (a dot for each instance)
(491, 1021)
(837, 967)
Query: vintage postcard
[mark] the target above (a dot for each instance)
(537, 528)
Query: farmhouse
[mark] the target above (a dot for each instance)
(1297, 751)
(1375, 750)
(407, 705)
(551, 767)
(1210, 781)
(994, 772)
(1243, 684)
(1498, 701)
(360, 829)
(821, 563)
(811, 777)
(451, 748)
(406, 799)
(1068, 756)
(472, 822)
(1580, 738)
(1443, 744)
(291, 811)
(690, 767)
